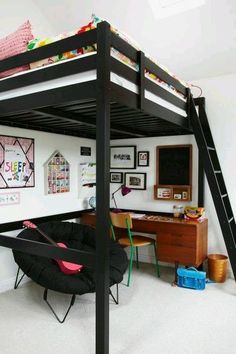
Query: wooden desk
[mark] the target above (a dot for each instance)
(178, 241)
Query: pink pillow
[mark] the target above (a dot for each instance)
(13, 44)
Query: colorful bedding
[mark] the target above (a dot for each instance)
(37, 43)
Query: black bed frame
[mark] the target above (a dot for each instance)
(97, 109)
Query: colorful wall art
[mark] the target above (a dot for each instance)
(57, 174)
(16, 162)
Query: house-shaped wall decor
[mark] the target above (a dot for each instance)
(57, 172)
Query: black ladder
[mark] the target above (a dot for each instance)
(214, 175)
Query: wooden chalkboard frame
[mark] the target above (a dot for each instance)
(181, 191)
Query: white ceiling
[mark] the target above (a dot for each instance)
(196, 44)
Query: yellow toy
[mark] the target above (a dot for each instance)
(193, 212)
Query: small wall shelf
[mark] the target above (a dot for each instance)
(172, 192)
(57, 174)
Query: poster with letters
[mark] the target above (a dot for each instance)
(16, 162)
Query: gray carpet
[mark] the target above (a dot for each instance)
(152, 317)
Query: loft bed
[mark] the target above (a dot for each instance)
(80, 97)
(53, 103)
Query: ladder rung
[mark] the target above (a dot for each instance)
(224, 195)
(229, 221)
(218, 171)
(210, 148)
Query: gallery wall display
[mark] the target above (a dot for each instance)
(16, 162)
(57, 174)
(135, 180)
(123, 157)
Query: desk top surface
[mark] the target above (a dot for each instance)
(159, 218)
(136, 217)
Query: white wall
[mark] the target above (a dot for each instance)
(14, 13)
(221, 110)
(33, 201)
(221, 107)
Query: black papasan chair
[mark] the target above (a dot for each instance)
(46, 272)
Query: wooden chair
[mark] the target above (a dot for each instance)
(124, 221)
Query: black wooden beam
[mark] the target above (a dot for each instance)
(164, 76)
(103, 187)
(166, 114)
(49, 50)
(50, 97)
(78, 118)
(17, 225)
(48, 251)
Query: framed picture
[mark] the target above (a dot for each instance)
(135, 180)
(116, 177)
(123, 157)
(88, 174)
(143, 158)
(16, 162)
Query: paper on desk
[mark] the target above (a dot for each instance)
(137, 216)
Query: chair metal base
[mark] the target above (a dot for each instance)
(45, 297)
(17, 282)
(135, 249)
(115, 299)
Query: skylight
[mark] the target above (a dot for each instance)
(167, 8)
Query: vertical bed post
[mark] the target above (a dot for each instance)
(201, 173)
(141, 62)
(102, 187)
(200, 102)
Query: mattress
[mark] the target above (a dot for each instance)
(84, 77)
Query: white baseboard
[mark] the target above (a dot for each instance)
(8, 284)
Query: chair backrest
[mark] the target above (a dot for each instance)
(121, 220)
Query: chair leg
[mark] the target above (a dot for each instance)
(115, 299)
(17, 282)
(130, 264)
(137, 262)
(157, 265)
(45, 297)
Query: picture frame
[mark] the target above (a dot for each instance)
(135, 180)
(123, 157)
(16, 162)
(116, 177)
(143, 158)
(173, 172)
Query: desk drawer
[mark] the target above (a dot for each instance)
(176, 240)
(183, 255)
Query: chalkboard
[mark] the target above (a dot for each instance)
(174, 165)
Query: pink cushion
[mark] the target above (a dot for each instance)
(13, 44)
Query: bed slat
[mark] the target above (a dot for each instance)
(164, 76)
(49, 73)
(64, 45)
